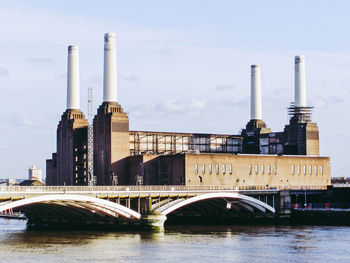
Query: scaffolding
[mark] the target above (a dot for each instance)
(147, 142)
(91, 178)
(301, 114)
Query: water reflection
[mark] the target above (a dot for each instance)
(177, 243)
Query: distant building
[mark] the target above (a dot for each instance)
(31, 183)
(34, 173)
(10, 181)
(341, 180)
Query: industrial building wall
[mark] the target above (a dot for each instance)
(80, 167)
(111, 145)
(143, 170)
(156, 170)
(256, 170)
(71, 140)
(49, 172)
(272, 143)
(312, 139)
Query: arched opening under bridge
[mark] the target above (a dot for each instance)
(71, 210)
(216, 207)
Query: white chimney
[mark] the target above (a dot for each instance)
(255, 102)
(73, 99)
(110, 69)
(300, 86)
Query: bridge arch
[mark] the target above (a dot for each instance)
(73, 204)
(248, 203)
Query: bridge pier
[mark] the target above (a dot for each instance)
(284, 209)
(153, 221)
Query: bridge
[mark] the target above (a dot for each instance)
(145, 206)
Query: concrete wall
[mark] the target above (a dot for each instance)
(257, 170)
(147, 166)
(232, 170)
(312, 139)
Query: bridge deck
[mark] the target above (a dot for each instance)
(123, 191)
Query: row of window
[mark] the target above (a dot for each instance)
(295, 169)
(316, 169)
(76, 181)
(217, 168)
(84, 157)
(76, 149)
(268, 168)
(76, 174)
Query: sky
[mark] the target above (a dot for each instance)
(182, 66)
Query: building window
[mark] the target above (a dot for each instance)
(316, 170)
(304, 168)
(310, 169)
(224, 168)
(321, 169)
(256, 169)
(210, 168)
(217, 168)
(269, 169)
(275, 169)
(76, 167)
(196, 168)
(75, 149)
(293, 169)
(262, 169)
(76, 158)
(84, 155)
(230, 168)
(250, 169)
(203, 168)
(298, 169)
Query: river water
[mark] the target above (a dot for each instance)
(176, 244)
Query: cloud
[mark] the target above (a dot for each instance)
(176, 105)
(60, 76)
(224, 87)
(227, 104)
(277, 99)
(26, 121)
(4, 72)
(322, 101)
(166, 51)
(96, 79)
(171, 106)
(40, 60)
(131, 77)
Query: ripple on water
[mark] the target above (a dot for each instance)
(177, 243)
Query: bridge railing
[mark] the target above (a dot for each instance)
(150, 188)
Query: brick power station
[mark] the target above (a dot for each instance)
(256, 158)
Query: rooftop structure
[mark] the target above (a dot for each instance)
(34, 173)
